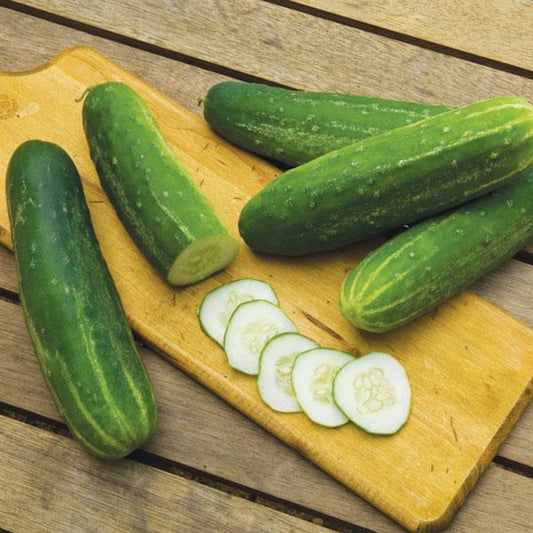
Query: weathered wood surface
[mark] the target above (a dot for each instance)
(488, 507)
(210, 437)
(297, 49)
(51, 485)
(491, 29)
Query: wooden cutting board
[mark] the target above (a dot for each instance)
(469, 363)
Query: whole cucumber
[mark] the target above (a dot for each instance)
(73, 312)
(297, 126)
(423, 266)
(164, 211)
(391, 179)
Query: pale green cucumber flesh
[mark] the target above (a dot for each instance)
(218, 305)
(420, 268)
(74, 316)
(250, 327)
(275, 370)
(158, 202)
(201, 258)
(373, 392)
(313, 373)
(297, 126)
(392, 179)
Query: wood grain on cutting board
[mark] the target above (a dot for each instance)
(470, 364)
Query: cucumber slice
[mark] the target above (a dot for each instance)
(218, 305)
(275, 369)
(312, 379)
(250, 327)
(374, 393)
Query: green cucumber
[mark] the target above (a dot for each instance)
(297, 126)
(392, 179)
(423, 266)
(73, 312)
(164, 211)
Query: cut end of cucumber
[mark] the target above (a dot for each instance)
(203, 258)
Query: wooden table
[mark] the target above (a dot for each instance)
(208, 468)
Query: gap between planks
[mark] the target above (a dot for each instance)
(216, 55)
(138, 44)
(170, 466)
(403, 37)
(71, 485)
(296, 7)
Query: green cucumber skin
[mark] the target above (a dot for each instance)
(392, 179)
(295, 127)
(154, 196)
(74, 315)
(420, 268)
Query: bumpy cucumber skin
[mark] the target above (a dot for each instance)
(392, 179)
(154, 196)
(297, 126)
(76, 322)
(420, 268)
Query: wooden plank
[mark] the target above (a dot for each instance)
(499, 491)
(43, 40)
(47, 484)
(210, 438)
(493, 29)
(293, 48)
(453, 443)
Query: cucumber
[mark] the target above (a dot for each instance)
(392, 179)
(373, 391)
(251, 326)
(297, 126)
(218, 305)
(312, 380)
(73, 312)
(423, 266)
(275, 370)
(163, 210)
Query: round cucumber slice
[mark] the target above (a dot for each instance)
(374, 393)
(250, 327)
(218, 305)
(275, 369)
(312, 380)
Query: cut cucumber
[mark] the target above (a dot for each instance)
(163, 209)
(218, 305)
(250, 327)
(275, 369)
(312, 381)
(374, 393)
